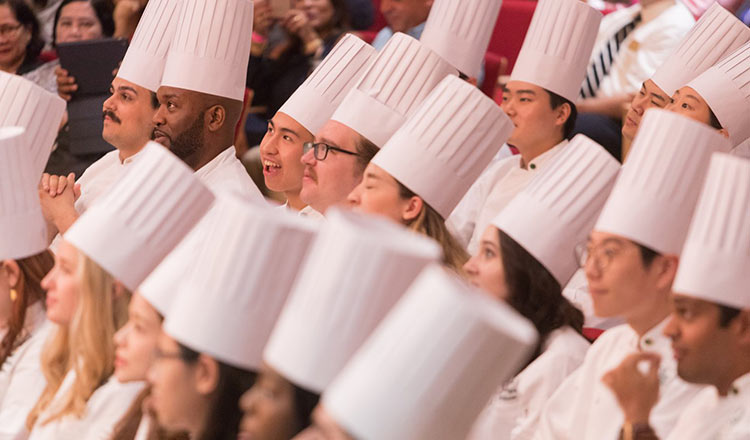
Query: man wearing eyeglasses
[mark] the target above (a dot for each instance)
(334, 165)
(630, 261)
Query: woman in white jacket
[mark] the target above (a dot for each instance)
(81, 400)
(23, 330)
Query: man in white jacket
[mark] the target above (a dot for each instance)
(710, 322)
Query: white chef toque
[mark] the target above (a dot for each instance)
(428, 370)
(144, 61)
(314, 102)
(244, 271)
(211, 48)
(717, 34)
(559, 207)
(399, 79)
(446, 144)
(557, 47)
(358, 267)
(726, 89)
(24, 104)
(715, 262)
(155, 203)
(460, 32)
(655, 195)
(24, 232)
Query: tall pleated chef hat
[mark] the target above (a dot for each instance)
(147, 54)
(24, 232)
(559, 207)
(211, 48)
(716, 258)
(245, 269)
(24, 104)
(655, 195)
(446, 144)
(717, 34)
(399, 79)
(357, 269)
(142, 217)
(433, 363)
(726, 89)
(557, 47)
(460, 32)
(314, 102)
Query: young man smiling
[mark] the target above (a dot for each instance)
(630, 261)
(710, 322)
(305, 113)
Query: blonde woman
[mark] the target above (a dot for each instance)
(88, 306)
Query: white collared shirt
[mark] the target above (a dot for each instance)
(711, 416)
(106, 406)
(663, 26)
(513, 412)
(583, 408)
(309, 212)
(21, 378)
(226, 174)
(492, 192)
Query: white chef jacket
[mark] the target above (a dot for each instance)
(513, 412)
(143, 428)
(309, 212)
(492, 192)
(577, 292)
(663, 26)
(583, 408)
(100, 176)
(21, 378)
(225, 173)
(742, 150)
(712, 417)
(106, 406)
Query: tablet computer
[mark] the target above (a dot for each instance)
(92, 62)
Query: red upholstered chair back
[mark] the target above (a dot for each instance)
(512, 23)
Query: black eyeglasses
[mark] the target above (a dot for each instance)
(320, 150)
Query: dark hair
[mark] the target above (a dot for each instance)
(713, 121)
(154, 100)
(727, 315)
(104, 10)
(556, 101)
(534, 292)
(366, 150)
(25, 15)
(305, 402)
(223, 421)
(33, 269)
(340, 19)
(648, 255)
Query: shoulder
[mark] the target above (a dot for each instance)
(107, 161)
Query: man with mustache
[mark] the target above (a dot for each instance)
(127, 124)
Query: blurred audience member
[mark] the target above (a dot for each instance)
(285, 50)
(20, 42)
(407, 16)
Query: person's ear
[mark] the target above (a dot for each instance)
(206, 375)
(12, 272)
(412, 208)
(563, 113)
(741, 326)
(666, 270)
(216, 116)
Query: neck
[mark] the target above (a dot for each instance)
(293, 200)
(737, 369)
(652, 314)
(128, 152)
(13, 67)
(531, 152)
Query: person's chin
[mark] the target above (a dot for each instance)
(163, 140)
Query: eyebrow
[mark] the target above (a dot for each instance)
(526, 92)
(489, 243)
(329, 142)
(371, 175)
(127, 88)
(288, 130)
(692, 97)
(657, 96)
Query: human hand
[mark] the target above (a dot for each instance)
(66, 84)
(58, 195)
(296, 23)
(636, 388)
